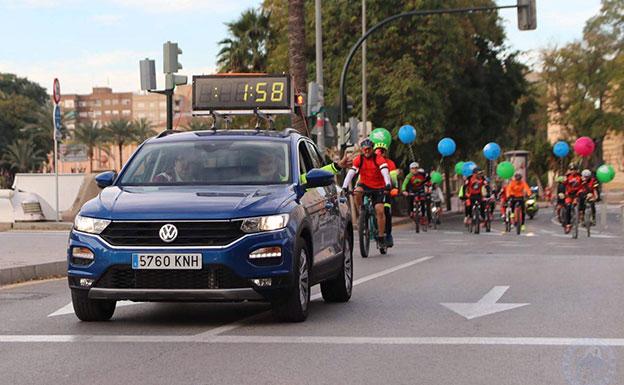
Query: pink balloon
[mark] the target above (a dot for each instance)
(584, 146)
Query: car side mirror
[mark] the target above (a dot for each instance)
(319, 178)
(105, 179)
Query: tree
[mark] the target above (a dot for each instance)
(197, 124)
(22, 156)
(246, 48)
(119, 132)
(91, 135)
(142, 130)
(585, 79)
(297, 53)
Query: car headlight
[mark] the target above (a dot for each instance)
(272, 222)
(90, 225)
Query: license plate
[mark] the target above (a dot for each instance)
(167, 261)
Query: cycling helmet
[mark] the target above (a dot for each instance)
(414, 165)
(586, 173)
(366, 143)
(572, 167)
(381, 145)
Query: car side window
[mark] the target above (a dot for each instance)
(305, 161)
(316, 159)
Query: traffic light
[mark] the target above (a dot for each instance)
(300, 103)
(170, 57)
(527, 18)
(315, 98)
(148, 74)
(172, 80)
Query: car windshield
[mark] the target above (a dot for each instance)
(217, 162)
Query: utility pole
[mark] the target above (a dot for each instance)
(364, 120)
(320, 117)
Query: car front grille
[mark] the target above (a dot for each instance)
(189, 233)
(209, 277)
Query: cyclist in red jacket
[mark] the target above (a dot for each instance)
(374, 179)
(573, 186)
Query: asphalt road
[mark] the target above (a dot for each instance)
(539, 308)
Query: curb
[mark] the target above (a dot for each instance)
(37, 226)
(19, 274)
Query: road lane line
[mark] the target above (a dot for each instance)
(237, 324)
(318, 340)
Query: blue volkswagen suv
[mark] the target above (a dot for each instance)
(213, 216)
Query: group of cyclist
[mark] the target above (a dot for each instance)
(378, 176)
(576, 188)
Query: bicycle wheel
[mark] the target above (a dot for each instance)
(588, 222)
(425, 219)
(476, 218)
(417, 217)
(518, 219)
(575, 223)
(508, 220)
(364, 233)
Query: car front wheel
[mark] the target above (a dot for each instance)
(90, 310)
(293, 307)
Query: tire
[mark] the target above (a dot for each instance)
(91, 310)
(531, 215)
(476, 219)
(518, 220)
(588, 222)
(339, 289)
(417, 219)
(293, 307)
(364, 234)
(488, 222)
(575, 222)
(507, 223)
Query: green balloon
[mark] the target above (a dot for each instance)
(605, 173)
(459, 167)
(436, 177)
(505, 170)
(381, 135)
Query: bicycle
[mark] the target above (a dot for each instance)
(475, 217)
(507, 217)
(587, 219)
(490, 206)
(436, 213)
(517, 214)
(419, 205)
(367, 225)
(574, 208)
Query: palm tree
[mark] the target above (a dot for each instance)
(89, 134)
(22, 156)
(296, 52)
(119, 132)
(197, 124)
(142, 130)
(246, 49)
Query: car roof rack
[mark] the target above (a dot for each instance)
(167, 132)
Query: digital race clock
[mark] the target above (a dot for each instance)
(239, 94)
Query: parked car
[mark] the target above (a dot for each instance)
(213, 216)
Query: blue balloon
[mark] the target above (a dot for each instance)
(492, 151)
(446, 146)
(561, 149)
(468, 168)
(407, 134)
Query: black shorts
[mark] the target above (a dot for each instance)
(376, 195)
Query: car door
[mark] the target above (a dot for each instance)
(330, 223)
(313, 202)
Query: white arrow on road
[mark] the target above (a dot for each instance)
(485, 306)
(69, 308)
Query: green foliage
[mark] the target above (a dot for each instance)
(142, 129)
(92, 136)
(119, 132)
(585, 78)
(246, 48)
(446, 75)
(23, 156)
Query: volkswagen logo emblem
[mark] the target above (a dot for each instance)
(168, 233)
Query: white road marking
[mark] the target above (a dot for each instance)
(485, 306)
(69, 308)
(240, 323)
(327, 340)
